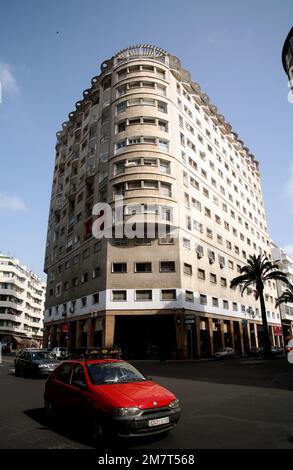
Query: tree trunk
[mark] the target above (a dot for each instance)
(266, 336)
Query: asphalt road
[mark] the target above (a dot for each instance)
(237, 404)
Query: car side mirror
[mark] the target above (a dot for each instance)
(149, 378)
(79, 384)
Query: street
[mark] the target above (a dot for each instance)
(243, 403)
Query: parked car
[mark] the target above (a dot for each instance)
(289, 351)
(35, 362)
(59, 352)
(255, 352)
(110, 397)
(277, 351)
(225, 353)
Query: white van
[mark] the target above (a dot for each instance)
(59, 352)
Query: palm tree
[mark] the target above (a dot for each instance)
(255, 273)
(287, 296)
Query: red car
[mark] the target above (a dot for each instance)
(112, 396)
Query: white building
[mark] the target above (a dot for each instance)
(145, 130)
(22, 296)
(286, 264)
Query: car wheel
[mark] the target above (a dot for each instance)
(16, 371)
(49, 410)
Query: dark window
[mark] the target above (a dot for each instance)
(63, 373)
(78, 374)
(143, 267)
(119, 267)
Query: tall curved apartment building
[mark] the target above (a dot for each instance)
(144, 130)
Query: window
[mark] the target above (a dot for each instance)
(84, 278)
(189, 297)
(119, 267)
(78, 375)
(215, 302)
(203, 299)
(201, 274)
(187, 269)
(96, 298)
(162, 107)
(225, 304)
(223, 282)
(213, 278)
(235, 306)
(96, 272)
(63, 373)
(83, 301)
(143, 295)
(145, 267)
(168, 294)
(167, 266)
(119, 295)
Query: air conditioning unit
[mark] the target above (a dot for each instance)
(222, 265)
(211, 260)
(199, 254)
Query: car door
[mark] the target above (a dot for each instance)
(78, 394)
(25, 363)
(59, 387)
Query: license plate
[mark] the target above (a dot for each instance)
(157, 422)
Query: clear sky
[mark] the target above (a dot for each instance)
(49, 50)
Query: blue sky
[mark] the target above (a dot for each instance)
(232, 49)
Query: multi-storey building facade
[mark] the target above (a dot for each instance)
(287, 56)
(144, 130)
(22, 300)
(285, 262)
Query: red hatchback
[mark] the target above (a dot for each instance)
(111, 395)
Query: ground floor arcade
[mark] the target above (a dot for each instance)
(154, 334)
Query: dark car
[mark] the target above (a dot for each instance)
(255, 352)
(37, 362)
(111, 398)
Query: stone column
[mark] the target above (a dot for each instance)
(241, 337)
(109, 331)
(53, 335)
(211, 335)
(181, 337)
(248, 334)
(79, 331)
(232, 334)
(90, 332)
(222, 332)
(45, 337)
(197, 337)
(272, 335)
(69, 334)
(256, 335)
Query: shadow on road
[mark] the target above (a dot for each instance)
(275, 373)
(78, 433)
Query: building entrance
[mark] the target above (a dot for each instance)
(146, 337)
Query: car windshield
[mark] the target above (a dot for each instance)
(38, 355)
(113, 373)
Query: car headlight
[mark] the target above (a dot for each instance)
(42, 366)
(174, 404)
(132, 411)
